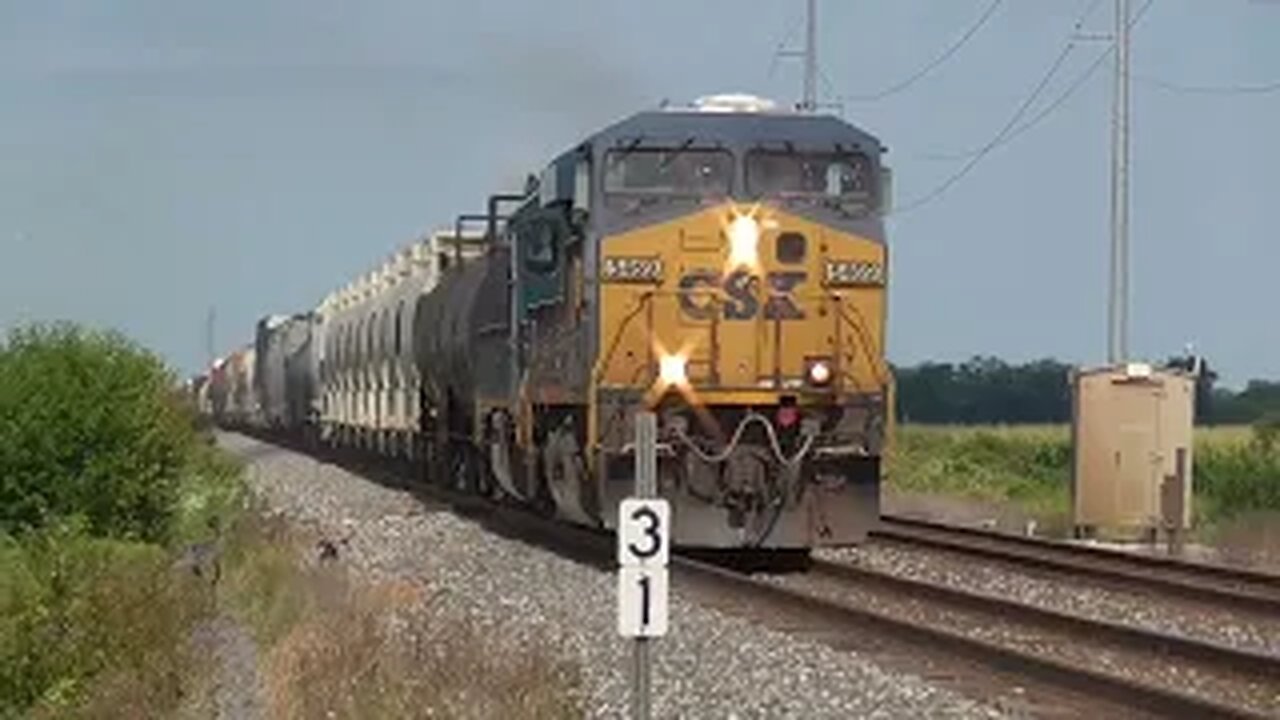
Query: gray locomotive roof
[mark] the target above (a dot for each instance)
(736, 129)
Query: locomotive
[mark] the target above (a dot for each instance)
(723, 265)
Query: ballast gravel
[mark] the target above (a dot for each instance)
(710, 665)
(1079, 597)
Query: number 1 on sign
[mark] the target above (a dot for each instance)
(642, 602)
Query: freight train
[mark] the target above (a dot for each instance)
(723, 265)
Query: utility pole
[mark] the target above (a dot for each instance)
(209, 320)
(810, 101)
(1118, 304)
(809, 54)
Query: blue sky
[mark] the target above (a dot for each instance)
(159, 158)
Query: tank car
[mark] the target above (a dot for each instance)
(369, 383)
(723, 265)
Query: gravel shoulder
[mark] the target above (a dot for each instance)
(711, 664)
(237, 692)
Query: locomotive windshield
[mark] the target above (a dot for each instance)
(840, 177)
(674, 171)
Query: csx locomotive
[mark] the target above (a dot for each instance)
(723, 265)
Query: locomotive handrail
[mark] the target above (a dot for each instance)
(603, 364)
(865, 344)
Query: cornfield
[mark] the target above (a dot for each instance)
(1236, 469)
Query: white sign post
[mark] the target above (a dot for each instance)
(644, 544)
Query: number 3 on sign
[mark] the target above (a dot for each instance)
(644, 532)
(642, 601)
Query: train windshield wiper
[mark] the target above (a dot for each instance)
(620, 155)
(679, 150)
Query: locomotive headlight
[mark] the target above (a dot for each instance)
(671, 370)
(852, 273)
(819, 373)
(631, 269)
(744, 242)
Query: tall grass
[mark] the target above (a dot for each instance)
(1236, 469)
(1029, 465)
(1238, 473)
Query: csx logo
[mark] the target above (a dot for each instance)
(741, 295)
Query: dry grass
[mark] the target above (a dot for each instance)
(333, 649)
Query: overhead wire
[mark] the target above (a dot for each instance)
(932, 64)
(1012, 129)
(1045, 112)
(781, 49)
(955, 177)
(1259, 89)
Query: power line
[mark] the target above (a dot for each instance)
(1045, 112)
(1049, 109)
(1259, 89)
(1007, 132)
(781, 50)
(932, 64)
(1004, 131)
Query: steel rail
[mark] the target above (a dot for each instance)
(1084, 681)
(1263, 666)
(1215, 584)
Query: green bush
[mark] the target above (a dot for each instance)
(83, 617)
(103, 481)
(90, 427)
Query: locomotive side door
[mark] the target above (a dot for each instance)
(540, 236)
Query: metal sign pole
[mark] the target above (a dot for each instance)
(646, 487)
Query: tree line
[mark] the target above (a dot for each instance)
(986, 390)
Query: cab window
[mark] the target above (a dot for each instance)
(679, 171)
(542, 247)
(838, 177)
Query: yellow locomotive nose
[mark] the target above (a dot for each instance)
(742, 305)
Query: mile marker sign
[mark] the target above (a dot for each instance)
(642, 602)
(644, 544)
(644, 532)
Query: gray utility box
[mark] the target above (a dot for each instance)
(1132, 440)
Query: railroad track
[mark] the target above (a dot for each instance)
(1222, 586)
(836, 604)
(1198, 679)
(1161, 672)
